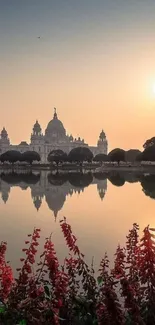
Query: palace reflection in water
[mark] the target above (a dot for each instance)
(100, 208)
(54, 188)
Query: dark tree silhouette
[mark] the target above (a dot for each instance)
(148, 154)
(11, 156)
(57, 179)
(80, 155)
(117, 179)
(132, 154)
(57, 156)
(100, 157)
(139, 157)
(149, 143)
(30, 178)
(16, 178)
(117, 155)
(11, 178)
(131, 177)
(100, 176)
(30, 156)
(148, 185)
(80, 180)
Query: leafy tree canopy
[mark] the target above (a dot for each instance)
(149, 143)
(117, 155)
(100, 157)
(132, 154)
(80, 154)
(30, 156)
(11, 156)
(148, 154)
(57, 156)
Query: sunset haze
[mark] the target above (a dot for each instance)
(92, 60)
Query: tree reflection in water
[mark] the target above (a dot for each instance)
(116, 179)
(55, 188)
(17, 178)
(148, 185)
(57, 179)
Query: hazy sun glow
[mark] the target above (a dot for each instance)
(92, 60)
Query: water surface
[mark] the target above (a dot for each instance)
(100, 211)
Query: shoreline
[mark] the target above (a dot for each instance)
(88, 168)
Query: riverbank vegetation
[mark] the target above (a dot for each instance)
(80, 155)
(49, 293)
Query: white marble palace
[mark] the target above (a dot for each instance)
(55, 137)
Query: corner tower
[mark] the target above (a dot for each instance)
(102, 143)
(37, 139)
(4, 140)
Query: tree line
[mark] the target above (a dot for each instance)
(13, 156)
(84, 154)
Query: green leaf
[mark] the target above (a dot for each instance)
(2, 309)
(22, 322)
(47, 290)
(99, 280)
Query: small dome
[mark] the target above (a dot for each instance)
(37, 202)
(37, 127)
(55, 200)
(102, 135)
(102, 194)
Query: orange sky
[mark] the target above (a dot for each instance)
(98, 73)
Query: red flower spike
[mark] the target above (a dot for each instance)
(57, 288)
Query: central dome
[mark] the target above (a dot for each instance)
(55, 129)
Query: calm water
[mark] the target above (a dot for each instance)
(100, 211)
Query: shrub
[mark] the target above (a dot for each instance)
(71, 293)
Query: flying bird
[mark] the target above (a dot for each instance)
(39, 37)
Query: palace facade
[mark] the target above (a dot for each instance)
(55, 137)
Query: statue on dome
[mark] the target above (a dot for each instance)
(55, 113)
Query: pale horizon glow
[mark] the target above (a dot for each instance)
(94, 62)
(153, 88)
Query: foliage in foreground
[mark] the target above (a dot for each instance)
(71, 294)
